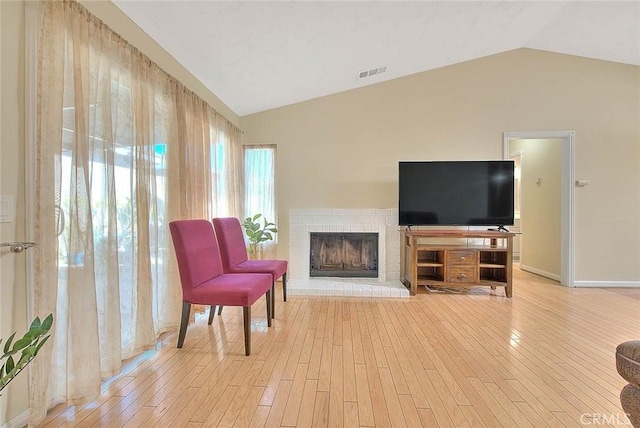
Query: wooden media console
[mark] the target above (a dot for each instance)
(456, 264)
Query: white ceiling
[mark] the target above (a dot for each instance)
(258, 55)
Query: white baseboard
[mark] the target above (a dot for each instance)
(608, 284)
(540, 272)
(19, 421)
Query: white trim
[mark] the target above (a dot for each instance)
(511, 156)
(18, 422)
(536, 135)
(608, 284)
(540, 272)
(567, 215)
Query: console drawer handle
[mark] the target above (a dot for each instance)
(461, 276)
(463, 258)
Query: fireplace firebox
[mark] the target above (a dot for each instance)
(350, 255)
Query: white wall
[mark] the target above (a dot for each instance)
(12, 266)
(540, 204)
(342, 151)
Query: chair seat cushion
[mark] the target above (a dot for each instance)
(232, 289)
(628, 361)
(277, 268)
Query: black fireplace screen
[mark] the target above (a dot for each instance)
(352, 255)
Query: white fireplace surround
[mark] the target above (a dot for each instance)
(382, 221)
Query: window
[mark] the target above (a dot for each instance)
(259, 179)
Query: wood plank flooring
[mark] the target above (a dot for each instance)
(544, 358)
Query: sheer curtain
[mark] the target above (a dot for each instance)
(260, 188)
(122, 148)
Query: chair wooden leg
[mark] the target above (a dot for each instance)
(220, 309)
(284, 287)
(273, 299)
(269, 307)
(246, 316)
(186, 311)
(212, 312)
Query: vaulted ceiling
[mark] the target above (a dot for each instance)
(259, 55)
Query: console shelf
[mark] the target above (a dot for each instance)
(456, 264)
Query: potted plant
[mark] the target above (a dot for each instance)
(28, 345)
(258, 234)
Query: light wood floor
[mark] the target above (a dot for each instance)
(543, 358)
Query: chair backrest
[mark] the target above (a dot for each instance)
(197, 252)
(233, 249)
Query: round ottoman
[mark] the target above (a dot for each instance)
(628, 365)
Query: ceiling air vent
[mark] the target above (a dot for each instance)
(372, 72)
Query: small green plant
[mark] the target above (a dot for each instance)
(29, 344)
(257, 233)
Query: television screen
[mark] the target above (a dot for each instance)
(478, 193)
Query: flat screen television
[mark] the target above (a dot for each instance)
(452, 193)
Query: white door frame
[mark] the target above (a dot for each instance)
(567, 219)
(519, 241)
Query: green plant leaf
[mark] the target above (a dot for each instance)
(29, 344)
(30, 352)
(35, 324)
(11, 374)
(9, 365)
(7, 345)
(35, 333)
(257, 233)
(47, 323)
(24, 360)
(21, 344)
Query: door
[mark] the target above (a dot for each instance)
(546, 201)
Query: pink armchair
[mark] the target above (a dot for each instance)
(235, 260)
(205, 283)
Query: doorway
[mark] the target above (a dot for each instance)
(563, 144)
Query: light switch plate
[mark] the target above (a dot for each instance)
(7, 209)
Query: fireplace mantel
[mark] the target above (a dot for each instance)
(384, 222)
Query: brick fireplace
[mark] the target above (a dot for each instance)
(383, 222)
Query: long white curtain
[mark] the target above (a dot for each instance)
(122, 149)
(260, 188)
